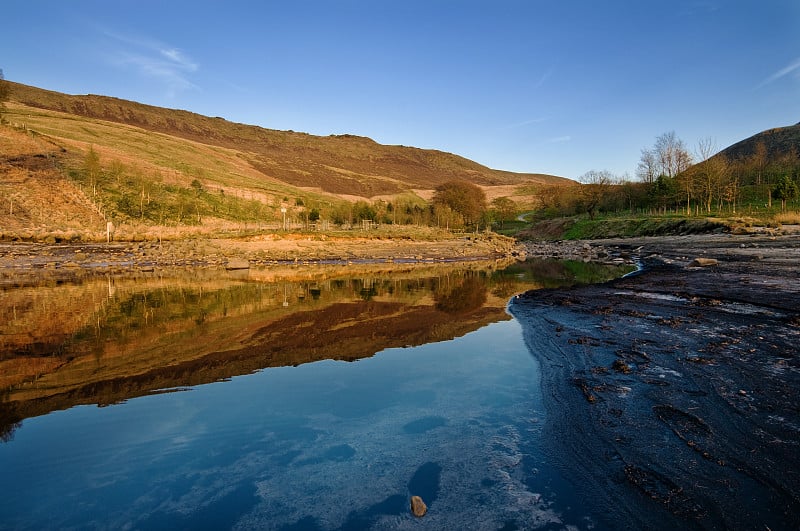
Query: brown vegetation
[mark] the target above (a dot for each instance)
(154, 171)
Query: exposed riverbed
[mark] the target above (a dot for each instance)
(672, 395)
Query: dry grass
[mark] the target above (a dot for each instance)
(200, 176)
(341, 164)
(788, 218)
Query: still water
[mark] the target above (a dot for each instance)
(301, 399)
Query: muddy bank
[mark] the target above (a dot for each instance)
(72, 260)
(672, 395)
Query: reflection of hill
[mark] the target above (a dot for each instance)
(135, 338)
(343, 331)
(108, 340)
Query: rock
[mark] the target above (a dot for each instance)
(418, 507)
(621, 366)
(237, 263)
(703, 262)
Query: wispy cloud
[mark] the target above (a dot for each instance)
(699, 9)
(543, 79)
(155, 60)
(524, 123)
(560, 139)
(790, 68)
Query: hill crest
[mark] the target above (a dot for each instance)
(347, 165)
(777, 141)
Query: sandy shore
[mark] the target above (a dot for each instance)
(672, 395)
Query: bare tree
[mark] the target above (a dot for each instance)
(759, 161)
(671, 154)
(671, 159)
(665, 164)
(712, 175)
(706, 177)
(647, 171)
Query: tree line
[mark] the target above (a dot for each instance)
(127, 193)
(671, 178)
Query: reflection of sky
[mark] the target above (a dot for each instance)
(325, 445)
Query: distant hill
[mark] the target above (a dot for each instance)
(778, 142)
(344, 165)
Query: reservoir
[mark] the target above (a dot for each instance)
(287, 398)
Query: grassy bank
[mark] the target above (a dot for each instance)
(582, 228)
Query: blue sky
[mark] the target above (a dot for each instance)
(559, 87)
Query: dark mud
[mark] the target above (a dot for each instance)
(673, 396)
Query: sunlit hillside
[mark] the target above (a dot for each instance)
(71, 161)
(776, 142)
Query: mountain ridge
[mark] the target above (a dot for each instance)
(338, 164)
(777, 141)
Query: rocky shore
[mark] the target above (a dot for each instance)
(585, 251)
(71, 260)
(672, 395)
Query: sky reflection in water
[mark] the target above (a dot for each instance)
(324, 445)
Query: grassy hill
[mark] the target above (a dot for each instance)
(339, 164)
(155, 166)
(778, 142)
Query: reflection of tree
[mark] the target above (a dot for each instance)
(9, 421)
(366, 288)
(461, 297)
(7, 431)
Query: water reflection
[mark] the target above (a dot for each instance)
(105, 340)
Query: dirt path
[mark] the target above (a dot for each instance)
(672, 395)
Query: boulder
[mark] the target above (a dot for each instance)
(237, 263)
(418, 507)
(703, 262)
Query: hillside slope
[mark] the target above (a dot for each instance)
(778, 142)
(342, 165)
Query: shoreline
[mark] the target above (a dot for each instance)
(671, 395)
(76, 260)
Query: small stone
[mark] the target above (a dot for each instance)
(621, 366)
(418, 507)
